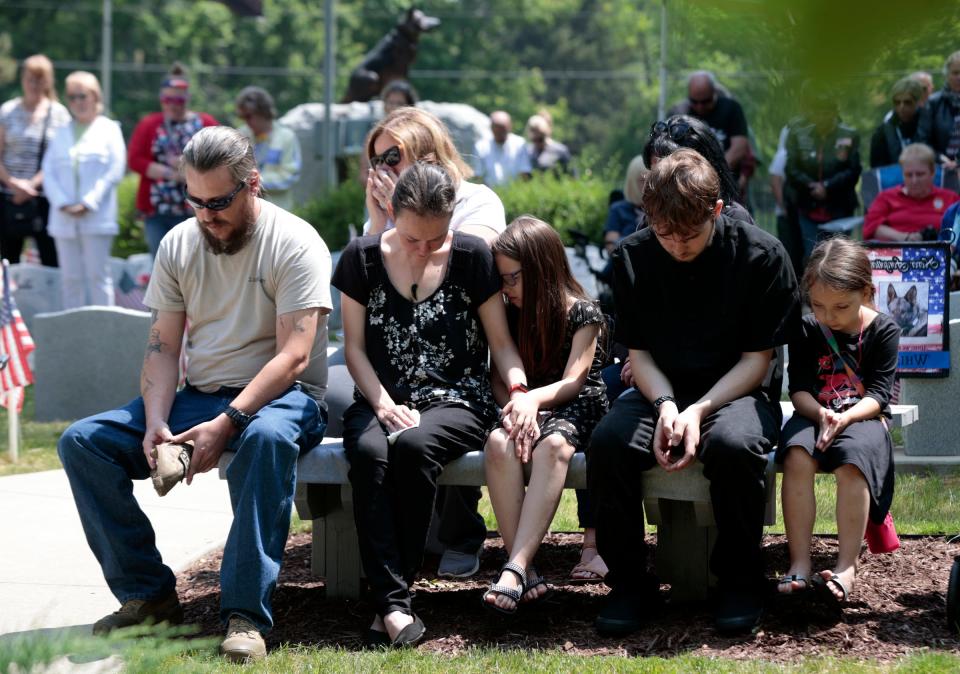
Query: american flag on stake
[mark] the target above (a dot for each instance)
(15, 346)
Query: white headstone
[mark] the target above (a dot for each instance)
(937, 432)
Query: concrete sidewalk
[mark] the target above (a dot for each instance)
(49, 578)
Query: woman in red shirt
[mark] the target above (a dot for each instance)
(154, 152)
(912, 211)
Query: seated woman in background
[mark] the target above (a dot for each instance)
(624, 214)
(420, 304)
(912, 211)
(409, 135)
(899, 126)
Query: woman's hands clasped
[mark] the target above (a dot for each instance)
(397, 417)
(519, 419)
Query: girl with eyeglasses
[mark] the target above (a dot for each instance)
(28, 124)
(81, 170)
(557, 327)
(155, 148)
(409, 135)
(420, 305)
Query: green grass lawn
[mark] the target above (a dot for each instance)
(156, 656)
(38, 442)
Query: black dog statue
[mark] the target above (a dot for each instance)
(391, 58)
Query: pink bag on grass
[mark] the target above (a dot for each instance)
(882, 537)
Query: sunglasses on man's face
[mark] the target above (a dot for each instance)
(173, 100)
(391, 157)
(218, 204)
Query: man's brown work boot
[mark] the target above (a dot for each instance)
(142, 612)
(173, 462)
(243, 642)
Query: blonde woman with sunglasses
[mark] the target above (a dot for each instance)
(409, 135)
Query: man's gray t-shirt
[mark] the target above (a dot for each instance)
(232, 301)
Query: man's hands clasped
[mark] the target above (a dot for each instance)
(676, 436)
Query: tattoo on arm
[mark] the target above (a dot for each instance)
(154, 345)
(153, 316)
(298, 324)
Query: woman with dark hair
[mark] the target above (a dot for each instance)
(28, 124)
(154, 152)
(680, 131)
(557, 328)
(398, 94)
(420, 304)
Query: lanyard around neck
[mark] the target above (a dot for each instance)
(832, 341)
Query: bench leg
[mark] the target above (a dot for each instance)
(335, 552)
(683, 549)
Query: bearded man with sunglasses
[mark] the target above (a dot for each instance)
(254, 282)
(702, 301)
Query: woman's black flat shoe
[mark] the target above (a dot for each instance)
(410, 635)
(374, 639)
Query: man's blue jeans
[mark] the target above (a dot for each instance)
(102, 454)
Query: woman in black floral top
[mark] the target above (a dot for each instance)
(420, 304)
(557, 328)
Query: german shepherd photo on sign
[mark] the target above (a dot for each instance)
(907, 305)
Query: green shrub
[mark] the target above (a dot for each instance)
(563, 201)
(131, 239)
(331, 214)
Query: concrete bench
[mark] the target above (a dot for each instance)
(677, 503)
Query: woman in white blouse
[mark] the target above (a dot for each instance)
(81, 169)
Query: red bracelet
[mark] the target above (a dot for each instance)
(518, 387)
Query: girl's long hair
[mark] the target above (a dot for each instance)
(547, 281)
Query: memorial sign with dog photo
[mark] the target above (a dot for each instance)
(911, 281)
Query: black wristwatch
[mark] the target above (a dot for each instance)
(239, 419)
(662, 399)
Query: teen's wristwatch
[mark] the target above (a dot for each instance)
(239, 419)
(662, 399)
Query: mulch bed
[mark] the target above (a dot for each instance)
(897, 607)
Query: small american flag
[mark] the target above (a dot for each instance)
(16, 345)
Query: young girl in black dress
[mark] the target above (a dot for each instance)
(842, 365)
(556, 327)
